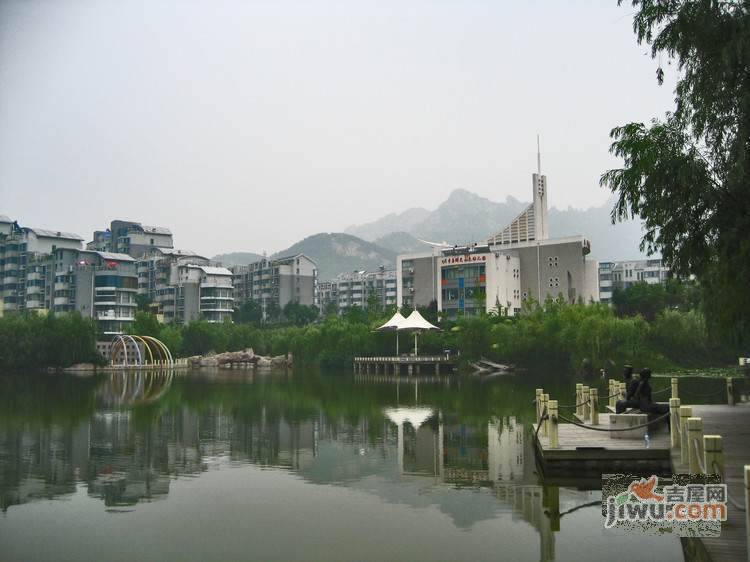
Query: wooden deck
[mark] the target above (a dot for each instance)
(583, 453)
(733, 424)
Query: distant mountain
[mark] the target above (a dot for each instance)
(237, 258)
(338, 252)
(401, 222)
(467, 217)
(401, 243)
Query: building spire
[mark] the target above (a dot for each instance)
(538, 156)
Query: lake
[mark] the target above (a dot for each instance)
(232, 465)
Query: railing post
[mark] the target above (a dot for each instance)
(553, 437)
(730, 391)
(538, 402)
(695, 435)
(594, 405)
(674, 423)
(675, 388)
(685, 413)
(585, 398)
(545, 405)
(747, 503)
(579, 392)
(713, 454)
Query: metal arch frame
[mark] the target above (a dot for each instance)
(163, 349)
(150, 343)
(121, 340)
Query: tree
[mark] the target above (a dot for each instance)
(146, 324)
(331, 309)
(273, 311)
(640, 298)
(249, 312)
(143, 302)
(300, 314)
(687, 175)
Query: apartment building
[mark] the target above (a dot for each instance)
(25, 264)
(202, 292)
(275, 282)
(45, 270)
(357, 288)
(184, 286)
(622, 274)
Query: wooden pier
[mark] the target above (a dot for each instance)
(704, 439)
(404, 364)
(588, 453)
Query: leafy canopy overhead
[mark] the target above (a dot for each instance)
(687, 175)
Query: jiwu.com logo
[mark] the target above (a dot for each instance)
(645, 503)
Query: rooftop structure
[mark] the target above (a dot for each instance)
(131, 238)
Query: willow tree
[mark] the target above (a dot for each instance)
(687, 175)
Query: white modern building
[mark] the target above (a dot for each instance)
(518, 263)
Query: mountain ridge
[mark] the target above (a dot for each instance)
(465, 217)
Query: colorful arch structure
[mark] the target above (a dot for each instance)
(145, 352)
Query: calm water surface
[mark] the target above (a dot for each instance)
(309, 466)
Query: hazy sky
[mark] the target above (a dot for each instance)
(247, 125)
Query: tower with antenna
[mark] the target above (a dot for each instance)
(541, 214)
(532, 223)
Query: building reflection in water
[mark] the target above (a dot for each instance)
(137, 439)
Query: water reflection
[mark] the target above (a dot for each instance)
(128, 437)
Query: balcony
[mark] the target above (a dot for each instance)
(61, 286)
(61, 301)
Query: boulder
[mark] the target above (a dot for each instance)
(279, 361)
(210, 361)
(263, 362)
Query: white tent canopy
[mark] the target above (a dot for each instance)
(415, 321)
(395, 323)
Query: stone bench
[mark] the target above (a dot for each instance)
(633, 417)
(621, 421)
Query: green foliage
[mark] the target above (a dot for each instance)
(300, 314)
(146, 324)
(33, 341)
(249, 312)
(640, 298)
(143, 302)
(686, 176)
(649, 300)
